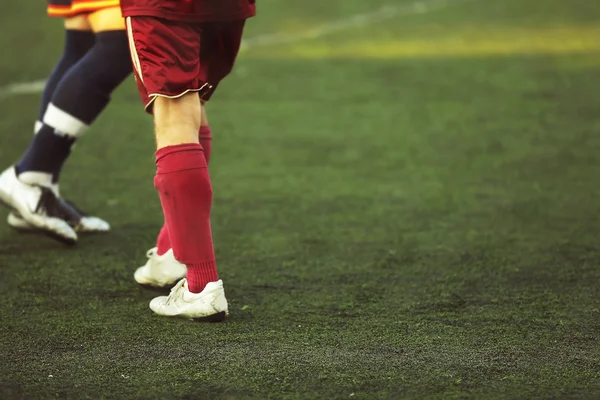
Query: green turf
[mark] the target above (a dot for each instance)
(386, 227)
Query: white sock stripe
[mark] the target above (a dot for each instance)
(63, 122)
(36, 128)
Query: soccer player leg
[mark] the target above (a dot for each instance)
(182, 180)
(162, 269)
(85, 90)
(185, 191)
(79, 38)
(78, 99)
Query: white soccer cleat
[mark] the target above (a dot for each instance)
(85, 225)
(15, 221)
(37, 205)
(160, 271)
(209, 305)
(88, 224)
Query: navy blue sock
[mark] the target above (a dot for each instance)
(77, 44)
(80, 96)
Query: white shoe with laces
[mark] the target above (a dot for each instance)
(210, 305)
(38, 206)
(86, 223)
(160, 271)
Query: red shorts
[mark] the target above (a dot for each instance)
(172, 58)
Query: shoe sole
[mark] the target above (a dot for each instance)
(17, 222)
(33, 229)
(47, 232)
(215, 318)
(160, 289)
(218, 317)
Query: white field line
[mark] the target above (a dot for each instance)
(386, 12)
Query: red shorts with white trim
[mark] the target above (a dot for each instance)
(71, 8)
(172, 58)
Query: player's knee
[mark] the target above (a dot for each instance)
(109, 62)
(87, 86)
(177, 118)
(172, 133)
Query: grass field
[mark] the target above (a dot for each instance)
(406, 207)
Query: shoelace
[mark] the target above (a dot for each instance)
(174, 290)
(151, 253)
(178, 286)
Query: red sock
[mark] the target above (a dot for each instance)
(205, 137)
(163, 242)
(185, 192)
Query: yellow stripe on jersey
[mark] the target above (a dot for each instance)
(59, 11)
(79, 7)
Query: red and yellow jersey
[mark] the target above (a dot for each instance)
(70, 8)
